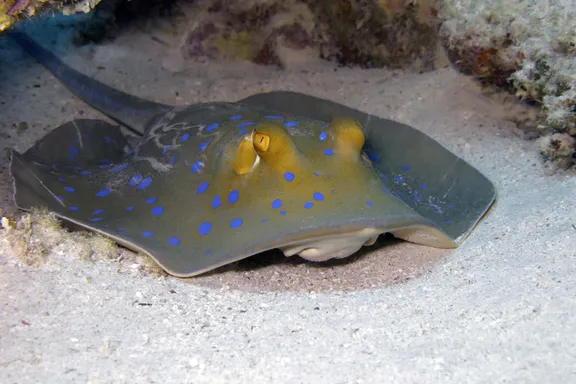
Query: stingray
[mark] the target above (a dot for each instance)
(200, 186)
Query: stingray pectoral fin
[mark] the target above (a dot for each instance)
(29, 189)
(79, 143)
(418, 170)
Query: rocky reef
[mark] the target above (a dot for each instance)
(527, 48)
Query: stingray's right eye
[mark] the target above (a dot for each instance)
(245, 156)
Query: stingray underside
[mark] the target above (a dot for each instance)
(178, 198)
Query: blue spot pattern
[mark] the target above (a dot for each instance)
(205, 228)
(276, 204)
(144, 183)
(185, 136)
(216, 202)
(151, 200)
(328, 152)
(233, 196)
(103, 193)
(202, 187)
(157, 210)
(235, 223)
(196, 167)
(308, 204)
(211, 127)
(318, 196)
(173, 241)
(289, 176)
(291, 123)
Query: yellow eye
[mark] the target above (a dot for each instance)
(261, 141)
(245, 156)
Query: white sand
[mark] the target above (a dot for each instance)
(501, 308)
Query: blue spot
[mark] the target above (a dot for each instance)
(242, 131)
(73, 149)
(196, 167)
(157, 210)
(323, 136)
(264, 220)
(73, 208)
(315, 173)
(205, 228)
(324, 126)
(202, 187)
(60, 198)
(246, 124)
(374, 157)
(173, 241)
(130, 208)
(204, 145)
(151, 200)
(276, 204)
(104, 166)
(71, 156)
(172, 160)
(235, 117)
(102, 193)
(185, 136)
(291, 123)
(328, 152)
(211, 127)
(399, 179)
(84, 173)
(448, 221)
(422, 186)
(95, 219)
(207, 251)
(147, 234)
(61, 179)
(416, 196)
(273, 117)
(318, 196)
(97, 212)
(69, 189)
(289, 176)
(308, 204)
(120, 167)
(107, 139)
(145, 183)
(135, 180)
(283, 213)
(233, 196)
(235, 223)
(369, 203)
(165, 150)
(406, 168)
(216, 202)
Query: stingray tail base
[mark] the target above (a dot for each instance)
(129, 110)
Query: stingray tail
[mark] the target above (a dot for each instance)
(131, 111)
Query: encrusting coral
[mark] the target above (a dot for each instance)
(528, 47)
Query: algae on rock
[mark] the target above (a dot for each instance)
(529, 46)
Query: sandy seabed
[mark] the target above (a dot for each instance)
(500, 308)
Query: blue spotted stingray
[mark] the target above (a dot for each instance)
(208, 184)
